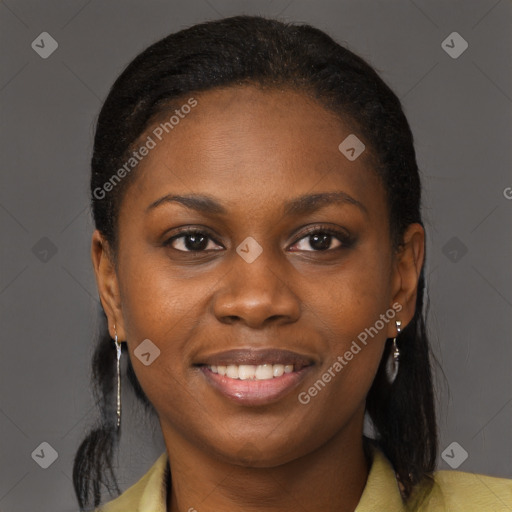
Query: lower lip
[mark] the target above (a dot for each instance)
(255, 392)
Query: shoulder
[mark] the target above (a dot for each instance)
(456, 491)
(128, 500)
(147, 494)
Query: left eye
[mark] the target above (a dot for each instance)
(321, 240)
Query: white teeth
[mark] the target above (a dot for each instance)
(252, 372)
(232, 371)
(264, 372)
(278, 370)
(246, 371)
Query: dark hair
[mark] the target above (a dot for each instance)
(267, 53)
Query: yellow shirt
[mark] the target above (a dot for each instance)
(453, 491)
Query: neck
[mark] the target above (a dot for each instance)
(320, 480)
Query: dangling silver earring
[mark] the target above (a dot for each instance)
(394, 358)
(118, 365)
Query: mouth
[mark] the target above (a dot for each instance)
(255, 377)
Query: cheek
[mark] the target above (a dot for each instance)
(156, 300)
(354, 311)
(356, 294)
(166, 310)
(352, 323)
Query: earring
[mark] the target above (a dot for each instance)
(118, 366)
(394, 358)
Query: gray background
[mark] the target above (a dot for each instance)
(460, 113)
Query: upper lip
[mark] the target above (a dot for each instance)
(257, 357)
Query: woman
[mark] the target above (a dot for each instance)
(259, 255)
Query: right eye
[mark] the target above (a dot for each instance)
(190, 240)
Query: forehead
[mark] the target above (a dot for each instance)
(246, 142)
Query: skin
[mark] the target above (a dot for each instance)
(253, 150)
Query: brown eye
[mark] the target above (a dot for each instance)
(190, 241)
(323, 239)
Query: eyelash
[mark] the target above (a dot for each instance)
(345, 239)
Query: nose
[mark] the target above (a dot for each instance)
(256, 294)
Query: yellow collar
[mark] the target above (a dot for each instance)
(149, 494)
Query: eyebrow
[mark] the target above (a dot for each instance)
(301, 205)
(200, 203)
(310, 203)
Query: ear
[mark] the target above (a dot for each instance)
(408, 262)
(108, 285)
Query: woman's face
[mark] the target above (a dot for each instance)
(254, 290)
